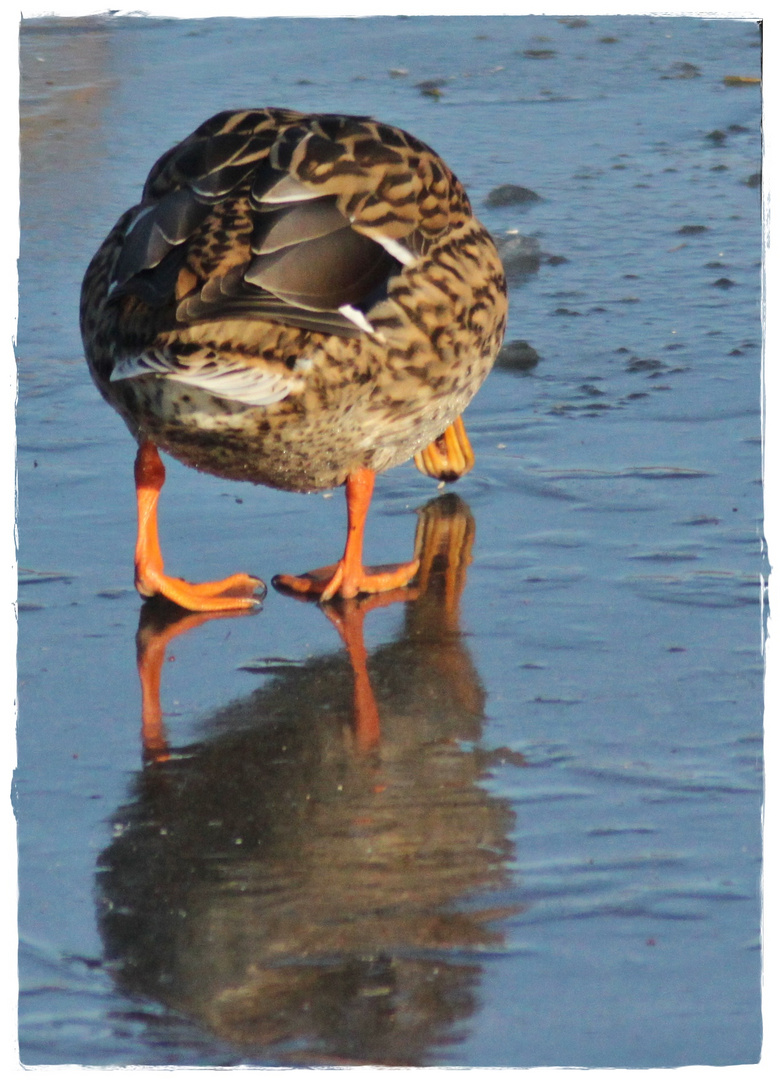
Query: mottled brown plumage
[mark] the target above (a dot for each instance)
(295, 300)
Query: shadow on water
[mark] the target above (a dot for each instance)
(316, 879)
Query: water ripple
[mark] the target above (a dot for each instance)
(700, 588)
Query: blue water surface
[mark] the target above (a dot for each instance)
(554, 855)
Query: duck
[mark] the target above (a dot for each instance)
(301, 301)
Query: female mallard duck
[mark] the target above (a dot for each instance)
(300, 301)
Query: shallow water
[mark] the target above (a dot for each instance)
(549, 854)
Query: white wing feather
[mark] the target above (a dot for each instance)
(227, 378)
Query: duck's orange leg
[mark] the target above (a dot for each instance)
(348, 577)
(231, 594)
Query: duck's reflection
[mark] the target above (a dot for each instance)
(322, 872)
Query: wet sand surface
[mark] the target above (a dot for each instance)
(515, 819)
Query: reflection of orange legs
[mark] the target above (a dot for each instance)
(152, 640)
(449, 457)
(443, 543)
(348, 577)
(348, 620)
(231, 594)
(349, 623)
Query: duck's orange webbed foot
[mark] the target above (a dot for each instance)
(348, 577)
(449, 457)
(336, 581)
(235, 593)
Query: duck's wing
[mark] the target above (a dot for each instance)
(273, 215)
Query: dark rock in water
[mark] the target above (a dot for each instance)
(511, 195)
(431, 87)
(517, 356)
(723, 283)
(692, 230)
(717, 137)
(638, 363)
(519, 254)
(754, 180)
(682, 70)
